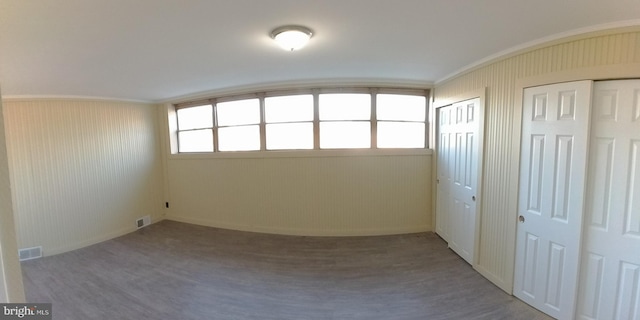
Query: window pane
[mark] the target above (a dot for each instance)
(238, 112)
(241, 138)
(290, 136)
(400, 107)
(195, 141)
(345, 106)
(195, 117)
(289, 108)
(337, 135)
(401, 134)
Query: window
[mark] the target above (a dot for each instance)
(289, 122)
(305, 120)
(345, 121)
(238, 125)
(401, 121)
(195, 129)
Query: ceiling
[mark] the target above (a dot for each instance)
(162, 50)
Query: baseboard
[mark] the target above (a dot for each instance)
(497, 281)
(305, 232)
(95, 240)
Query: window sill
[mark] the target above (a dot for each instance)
(302, 154)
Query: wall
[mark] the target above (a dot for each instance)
(611, 53)
(83, 171)
(304, 193)
(11, 288)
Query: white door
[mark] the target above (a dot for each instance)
(610, 277)
(458, 154)
(555, 127)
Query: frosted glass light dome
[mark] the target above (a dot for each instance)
(291, 38)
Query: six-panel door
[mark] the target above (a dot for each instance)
(610, 275)
(552, 184)
(458, 152)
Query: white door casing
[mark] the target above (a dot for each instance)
(458, 170)
(555, 127)
(610, 276)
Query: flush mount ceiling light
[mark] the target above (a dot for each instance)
(291, 38)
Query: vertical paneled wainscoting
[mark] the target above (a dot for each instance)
(11, 288)
(321, 192)
(82, 170)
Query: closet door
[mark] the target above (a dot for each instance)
(555, 127)
(458, 169)
(610, 277)
(445, 153)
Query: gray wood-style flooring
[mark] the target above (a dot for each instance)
(173, 270)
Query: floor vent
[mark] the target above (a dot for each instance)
(143, 222)
(30, 253)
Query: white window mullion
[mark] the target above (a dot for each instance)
(214, 114)
(426, 119)
(374, 119)
(316, 119)
(263, 130)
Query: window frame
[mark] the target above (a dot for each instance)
(424, 121)
(216, 126)
(312, 121)
(369, 121)
(179, 130)
(315, 92)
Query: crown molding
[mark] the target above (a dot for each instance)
(545, 41)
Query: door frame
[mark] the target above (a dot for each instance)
(621, 72)
(433, 140)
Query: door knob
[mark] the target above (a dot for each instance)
(521, 218)
(473, 198)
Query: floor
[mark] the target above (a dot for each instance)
(172, 270)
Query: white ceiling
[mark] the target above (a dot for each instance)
(158, 50)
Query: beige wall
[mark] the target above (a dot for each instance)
(82, 171)
(605, 54)
(321, 193)
(11, 289)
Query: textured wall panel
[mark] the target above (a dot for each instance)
(11, 289)
(354, 195)
(82, 171)
(600, 50)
